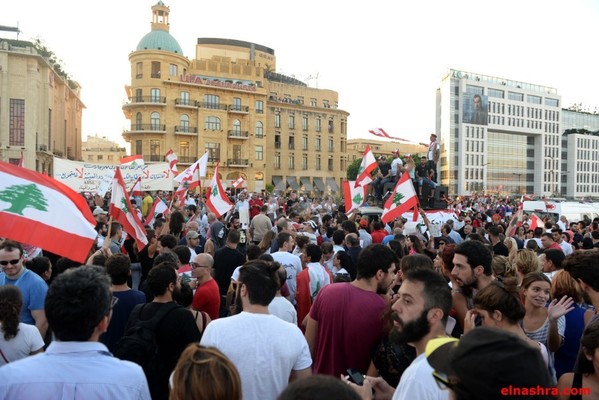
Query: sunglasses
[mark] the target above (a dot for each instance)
(13, 262)
(195, 265)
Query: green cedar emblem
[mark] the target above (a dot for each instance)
(124, 205)
(397, 199)
(215, 190)
(357, 199)
(22, 196)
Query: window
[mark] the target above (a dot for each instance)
(100, 157)
(259, 107)
(551, 102)
(138, 146)
(277, 160)
(236, 106)
(183, 150)
(305, 161)
(236, 126)
(155, 69)
(317, 143)
(305, 123)
(155, 121)
(277, 120)
(184, 100)
(212, 124)
(291, 164)
(155, 95)
(259, 153)
(313, 102)
(496, 93)
(211, 101)
(89, 158)
(139, 96)
(184, 123)
(330, 144)
(331, 126)
(292, 121)
(305, 143)
(330, 164)
(277, 141)
(318, 163)
(515, 96)
(213, 150)
(259, 132)
(533, 99)
(17, 122)
(318, 124)
(138, 125)
(291, 143)
(155, 152)
(139, 70)
(172, 70)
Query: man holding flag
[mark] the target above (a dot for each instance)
(217, 200)
(402, 200)
(122, 211)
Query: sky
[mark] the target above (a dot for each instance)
(384, 58)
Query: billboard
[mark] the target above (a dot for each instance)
(475, 109)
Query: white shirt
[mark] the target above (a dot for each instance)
(282, 308)
(293, 266)
(27, 340)
(417, 382)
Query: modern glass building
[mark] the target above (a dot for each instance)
(497, 135)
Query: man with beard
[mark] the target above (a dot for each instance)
(173, 333)
(345, 321)
(419, 315)
(472, 272)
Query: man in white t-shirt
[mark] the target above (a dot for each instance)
(396, 166)
(291, 263)
(267, 351)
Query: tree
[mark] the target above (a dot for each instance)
(352, 169)
(23, 196)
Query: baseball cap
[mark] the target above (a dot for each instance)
(312, 224)
(99, 210)
(363, 223)
(192, 235)
(485, 361)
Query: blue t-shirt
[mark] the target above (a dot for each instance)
(128, 299)
(33, 288)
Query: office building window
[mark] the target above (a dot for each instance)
(17, 122)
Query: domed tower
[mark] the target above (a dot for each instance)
(157, 60)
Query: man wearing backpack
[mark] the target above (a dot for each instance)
(75, 366)
(173, 327)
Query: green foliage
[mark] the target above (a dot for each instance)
(269, 187)
(352, 169)
(55, 62)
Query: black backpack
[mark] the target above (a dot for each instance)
(139, 342)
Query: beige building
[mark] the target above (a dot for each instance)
(99, 150)
(355, 148)
(40, 108)
(263, 126)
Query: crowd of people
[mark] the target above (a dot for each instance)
(283, 295)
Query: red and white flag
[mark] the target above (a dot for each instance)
(402, 199)
(194, 172)
(217, 200)
(240, 181)
(353, 196)
(381, 133)
(172, 159)
(366, 167)
(132, 160)
(536, 222)
(136, 188)
(45, 213)
(121, 211)
(159, 207)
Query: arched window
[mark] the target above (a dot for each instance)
(138, 121)
(184, 123)
(155, 121)
(236, 126)
(259, 130)
(212, 124)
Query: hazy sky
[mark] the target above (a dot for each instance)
(384, 58)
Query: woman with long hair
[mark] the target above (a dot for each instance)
(266, 241)
(17, 340)
(512, 247)
(204, 373)
(545, 324)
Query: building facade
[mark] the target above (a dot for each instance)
(497, 135)
(257, 124)
(355, 148)
(40, 109)
(100, 150)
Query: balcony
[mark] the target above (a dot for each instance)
(186, 103)
(153, 158)
(238, 134)
(277, 145)
(238, 162)
(236, 109)
(144, 100)
(187, 159)
(213, 160)
(186, 130)
(213, 106)
(144, 128)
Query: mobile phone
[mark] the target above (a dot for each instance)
(355, 376)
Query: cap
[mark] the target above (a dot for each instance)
(99, 210)
(312, 224)
(486, 360)
(395, 151)
(382, 158)
(363, 223)
(434, 134)
(192, 235)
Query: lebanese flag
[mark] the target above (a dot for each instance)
(381, 133)
(172, 159)
(121, 210)
(536, 222)
(525, 197)
(217, 200)
(366, 167)
(194, 172)
(43, 212)
(136, 188)
(132, 160)
(240, 181)
(402, 199)
(354, 196)
(158, 207)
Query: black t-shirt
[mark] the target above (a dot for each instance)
(384, 168)
(422, 171)
(500, 249)
(146, 262)
(225, 262)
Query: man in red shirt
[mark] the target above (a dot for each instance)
(378, 233)
(255, 204)
(207, 295)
